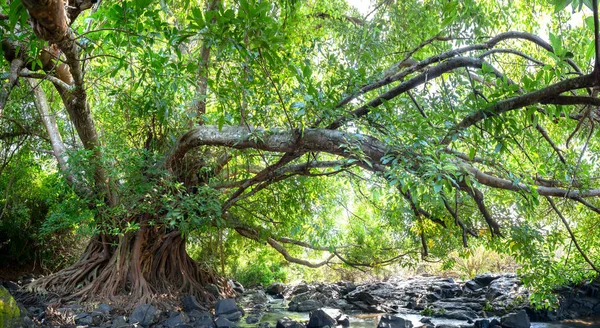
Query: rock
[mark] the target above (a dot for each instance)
(11, 286)
(264, 325)
(259, 297)
(10, 314)
(223, 323)
(485, 279)
(319, 318)
(213, 289)
(305, 306)
(516, 320)
(201, 319)
(346, 287)
(237, 287)
(343, 320)
(226, 306)
(392, 321)
(84, 319)
(176, 321)
(485, 323)
(425, 320)
(235, 316)
(275, 288)
(288, 323)
(189, 303)
(254, 318)
(144, 315)
(119, 322)
(473, 285)
(104, 309)
(459, 315)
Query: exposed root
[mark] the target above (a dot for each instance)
(150, 266)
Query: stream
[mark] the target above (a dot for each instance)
(369, 320)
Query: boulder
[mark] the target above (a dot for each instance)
(104, 309)
(237, 287)
(305, 306)
(259, 297)
(319, 319)
(189, 303)
(119, 322)
(288, 323)
(213, 289)
(201, 319)
(484, 323)
(275, 288)
(392, 321)
(177, 320)
(144, 315)
(10, 314)
(234, 316)
(254, 318)
(485, 279)
(226, 306)
(223, 323)
(84, 319)
(516, 320)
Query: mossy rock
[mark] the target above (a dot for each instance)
(10, 315)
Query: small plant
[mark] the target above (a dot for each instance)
(487, 307)
(427, 312)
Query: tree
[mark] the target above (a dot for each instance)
(287, 114)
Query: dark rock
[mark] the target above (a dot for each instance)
(305, 306)
(237, 287)
(11, 286)
(254, 318)
(346, 287)
(288, 323)
(459, 315)
(258, 297)
(226, 306)
(319, 318)
(213, 289)
(119, 322)
(223, 323)
(201, 319)
(235, 316)
(343, 320)
(189, 303)
(144, 315)
(176, 321)
(473, 285)
(484, 323)
(392, 321)
(104, 309)
(27, 323)
(84, 319)
(264, 325)
(516, 320)
(275, 288)
(425, 320)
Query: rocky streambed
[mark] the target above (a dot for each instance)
(486, 301)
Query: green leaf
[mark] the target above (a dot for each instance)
(561, 4)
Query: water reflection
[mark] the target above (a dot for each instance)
(362, 320)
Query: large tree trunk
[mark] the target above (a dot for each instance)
(143, 267)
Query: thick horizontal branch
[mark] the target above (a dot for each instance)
(340, 143)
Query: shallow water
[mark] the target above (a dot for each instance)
(358, 320)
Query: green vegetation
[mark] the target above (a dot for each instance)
(183, 142)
